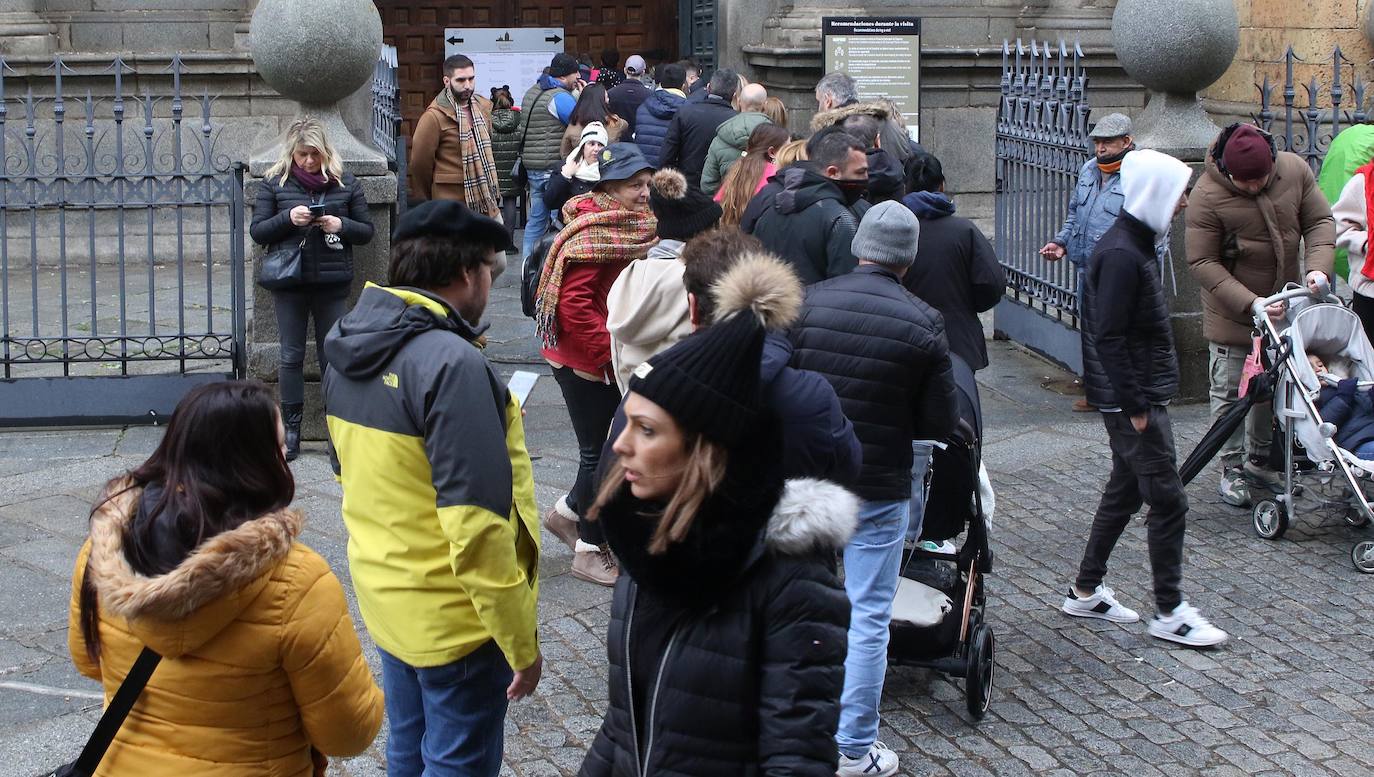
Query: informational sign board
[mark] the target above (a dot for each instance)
(505, 56)
(883, 55)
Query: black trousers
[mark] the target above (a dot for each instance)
(591, 406)
(1364, 308)
(325, 304)
(1144, 469)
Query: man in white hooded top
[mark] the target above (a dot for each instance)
(1131, 375)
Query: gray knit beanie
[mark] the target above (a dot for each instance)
(887, 235)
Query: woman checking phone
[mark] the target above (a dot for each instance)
(307, 199)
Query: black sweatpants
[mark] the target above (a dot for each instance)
(1144, 470)
(1364, 308)
(591, 406)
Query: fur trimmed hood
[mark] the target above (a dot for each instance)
(812, 516)
(183, 609)
(882, 110)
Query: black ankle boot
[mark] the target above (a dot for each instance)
(291, 419)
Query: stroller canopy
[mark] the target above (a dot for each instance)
(1330, 332)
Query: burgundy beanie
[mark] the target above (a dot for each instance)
(1248, 155)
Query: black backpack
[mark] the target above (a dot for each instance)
(533, 268)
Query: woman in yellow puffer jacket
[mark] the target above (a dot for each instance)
(194, 555)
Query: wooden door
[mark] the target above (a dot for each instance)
(416, 28)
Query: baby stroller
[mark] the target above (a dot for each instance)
(938, 620)
(1323, 477)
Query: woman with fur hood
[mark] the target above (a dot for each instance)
(195, 556)
(728, 626)
(646, 311)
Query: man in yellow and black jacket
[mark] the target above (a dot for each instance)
(438, 495)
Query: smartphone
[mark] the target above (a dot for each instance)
(521, 384)
(317, 210)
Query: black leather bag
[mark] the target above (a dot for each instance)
(123, 701)
(281, 269)
(519, 176)
(533, 268)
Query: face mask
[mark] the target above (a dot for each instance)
(853, 189)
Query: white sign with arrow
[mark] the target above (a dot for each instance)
(505, 56)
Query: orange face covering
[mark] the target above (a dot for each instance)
(1110, 168)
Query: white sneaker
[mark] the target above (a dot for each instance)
(877, 762)
(1186, 626)
(1102, 604)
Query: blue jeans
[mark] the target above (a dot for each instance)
(446, 721)
(920, 466)
(1365, 451)
(537, 221)
(871, 562)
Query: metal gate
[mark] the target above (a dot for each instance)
(121, 244)
(1307, 130)
(1042, 143)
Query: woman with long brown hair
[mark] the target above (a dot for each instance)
(195, 555)
(751, 172)
(728, 625)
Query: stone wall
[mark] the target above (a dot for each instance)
(1268, 28)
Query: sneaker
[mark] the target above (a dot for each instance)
(596, 566)
(1233, 489)
(560, 525)
(1102, 604)
(1186, 626)
(1259, 475)
(877, 762)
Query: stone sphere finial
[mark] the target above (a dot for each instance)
(1176, 49)
(1180, 46)
(315, 52)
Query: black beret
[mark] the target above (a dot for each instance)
(448, 218)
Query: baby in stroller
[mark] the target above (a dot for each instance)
(1345, 405)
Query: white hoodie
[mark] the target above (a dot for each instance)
(646, 310)
(1352, 233)
(1153, 183)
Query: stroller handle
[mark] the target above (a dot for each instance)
(1323, 294)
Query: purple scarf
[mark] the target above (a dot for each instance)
(313, 182)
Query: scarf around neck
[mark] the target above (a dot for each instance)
(311, 182)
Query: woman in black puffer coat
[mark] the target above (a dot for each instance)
(728, 628)
(309, 174)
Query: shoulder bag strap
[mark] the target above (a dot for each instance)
(114, 715)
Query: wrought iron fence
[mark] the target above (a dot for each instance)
(1042, 144)
(121, 242)
(386, 120)
(1308, 130)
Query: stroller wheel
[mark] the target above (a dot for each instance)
(1270, 519)
(978, 675)
(1356, 518)
(1363, 556)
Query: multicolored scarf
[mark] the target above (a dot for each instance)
(479, 161)
(610, 234)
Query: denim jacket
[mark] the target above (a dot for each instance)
(1092, 210)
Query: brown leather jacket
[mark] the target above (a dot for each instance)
(436, 150)
(1241, 247)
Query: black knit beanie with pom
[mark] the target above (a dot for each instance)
(683, 212)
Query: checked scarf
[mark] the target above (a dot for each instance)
(479, 162)
(609, 235)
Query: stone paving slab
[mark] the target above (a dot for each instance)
(1291, 694)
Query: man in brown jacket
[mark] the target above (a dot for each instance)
(451, 154)
(1248, 215)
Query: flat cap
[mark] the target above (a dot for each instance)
(448, 218)
(1113, 125)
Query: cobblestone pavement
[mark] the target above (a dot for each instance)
(1291, 693)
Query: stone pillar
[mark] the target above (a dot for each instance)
(1176, 50)
(24, 32)
(318, 54)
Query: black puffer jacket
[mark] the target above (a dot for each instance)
(809, 225)
(885, 353)
(320, 265)
(652, 120)
(1129, 360)
(743, 628)
(690, 134)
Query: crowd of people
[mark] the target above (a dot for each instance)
(754, 334)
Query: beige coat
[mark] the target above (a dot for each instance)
(1241, 247)
(646, 311)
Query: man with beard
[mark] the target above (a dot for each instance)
(451, 152)
(1096, 202)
